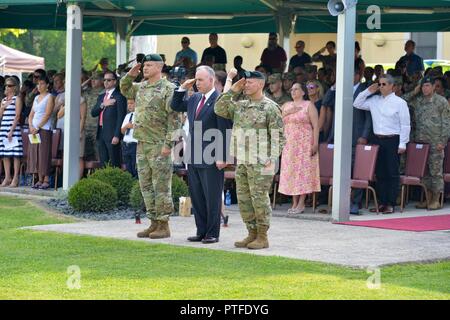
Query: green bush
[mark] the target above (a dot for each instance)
(121, 181)
(136, 199)
(179, 189)
(92, 195)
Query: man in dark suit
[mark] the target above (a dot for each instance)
(362, 132)
(206, 157)
(110, 109)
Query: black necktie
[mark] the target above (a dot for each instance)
(128, 130)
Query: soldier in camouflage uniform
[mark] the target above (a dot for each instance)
(432, 127)
(258, 119)
(155, 124)
(288, 81)
(276, 92)
(90, 128)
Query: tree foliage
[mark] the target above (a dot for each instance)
(52, 46)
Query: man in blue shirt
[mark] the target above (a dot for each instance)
(413, 62)
(186, 52)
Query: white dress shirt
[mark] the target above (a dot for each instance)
(390, 114)
(128, 138)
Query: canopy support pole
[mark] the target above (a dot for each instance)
(343, 115)
(73, 93)
(121, 26)
(285, 24)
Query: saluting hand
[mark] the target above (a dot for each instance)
(134, 72)
(238, 86)
(232, 73)
(188, 84)
(374, 87)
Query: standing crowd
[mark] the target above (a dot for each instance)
(130, 118)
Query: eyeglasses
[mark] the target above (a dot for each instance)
(311, 86)
(383, 84)
(10, 85)
(107, 80)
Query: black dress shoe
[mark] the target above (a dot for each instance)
(195, 239)
(210, 240)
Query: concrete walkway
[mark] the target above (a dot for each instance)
(294, 238)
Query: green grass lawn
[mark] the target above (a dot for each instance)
(33, 265)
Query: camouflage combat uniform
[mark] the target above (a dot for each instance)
(279, 100)
(432, 119)
(155, 124)
(253, 182)
(90, 127)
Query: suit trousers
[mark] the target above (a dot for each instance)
(357, 193)
(129, 157)
(387, 170)
(206, 189)
(107, 151)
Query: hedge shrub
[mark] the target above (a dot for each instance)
(92, 195)
(179, 189)
(136, 199)
(121, 181)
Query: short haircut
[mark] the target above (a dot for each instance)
(388, 77)
(411, 42)
(208, 69)
(110, 72)
(332, 43)
(41, 72)
(221, 76)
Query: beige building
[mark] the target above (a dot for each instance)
(384, 48)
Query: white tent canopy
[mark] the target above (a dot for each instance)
(15, 61)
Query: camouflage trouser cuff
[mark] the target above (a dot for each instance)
(158, 217)
(251, 224)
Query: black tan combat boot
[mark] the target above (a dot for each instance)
(261, 241)
(251, 237)
(423, 204)
(162, 231)
(435, 204)
(146, 232)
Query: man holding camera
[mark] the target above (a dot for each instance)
(257, 142)
(154, 126)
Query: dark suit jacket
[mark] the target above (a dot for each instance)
(362, 120)
(209, 120)
(112, 116)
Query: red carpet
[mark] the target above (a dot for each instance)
(431, 223)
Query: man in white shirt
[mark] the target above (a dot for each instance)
(129, 143)
(391, 127)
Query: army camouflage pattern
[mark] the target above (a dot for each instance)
(155, 121)
(155, 180)
(279, 100)
(253, 181)
(156, 127)
(252, 190)
(432, 122)
(90, 127)
(263, 117)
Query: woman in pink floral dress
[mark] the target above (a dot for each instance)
(299, 174)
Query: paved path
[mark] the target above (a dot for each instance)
(294, 238)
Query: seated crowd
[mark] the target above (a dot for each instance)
(389, 111)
